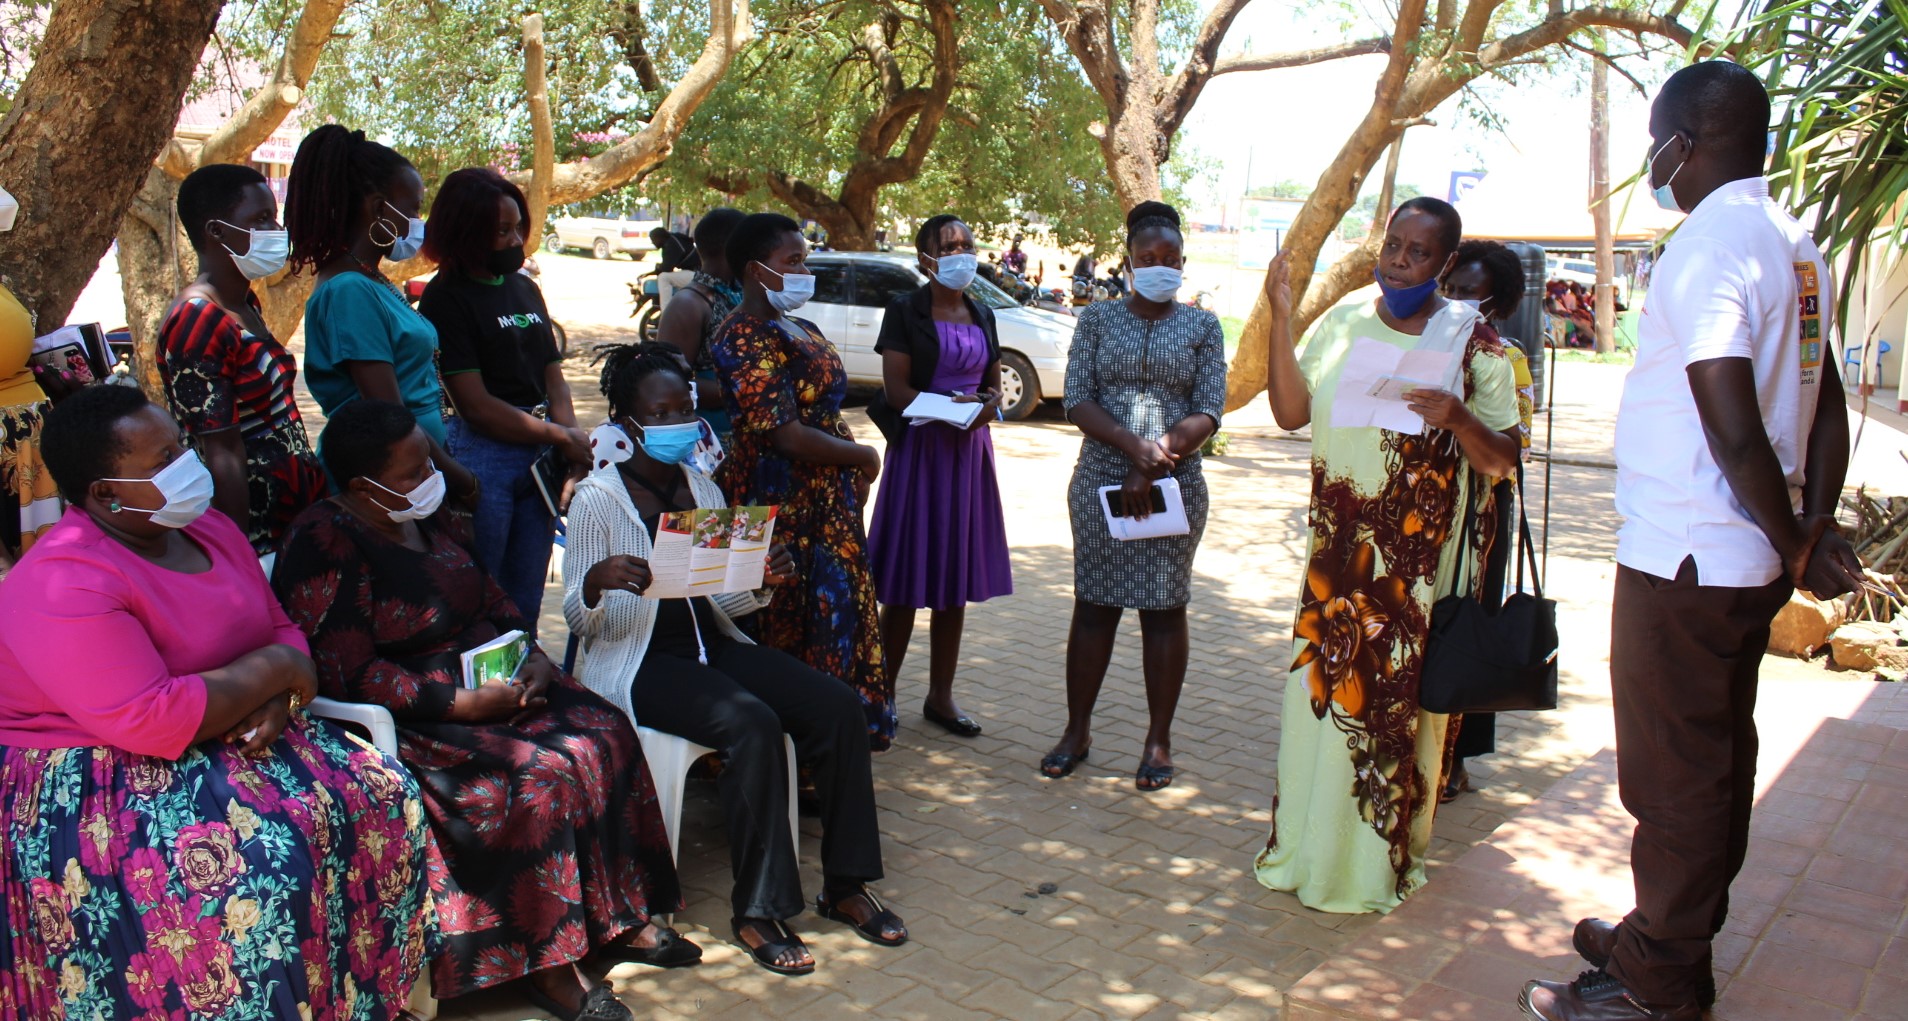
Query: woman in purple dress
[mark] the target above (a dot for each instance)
(939, 540)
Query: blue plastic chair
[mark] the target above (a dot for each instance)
(1852, 359)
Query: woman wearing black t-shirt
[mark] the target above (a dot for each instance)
(498, 356)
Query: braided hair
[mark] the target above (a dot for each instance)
(333, 172)
(1151, 215)
(930, 233)
(625, 366)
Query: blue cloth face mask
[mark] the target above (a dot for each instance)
(955, 272)
(402, 246)
(1404, 302)
(1664, 194)
(1156, 283)
(670, 444)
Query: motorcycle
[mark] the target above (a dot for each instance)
(674, 251)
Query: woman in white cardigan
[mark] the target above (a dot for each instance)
(682, 667)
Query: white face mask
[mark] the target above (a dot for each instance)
(1156, 283)
(795, 291)
(186, 485)
(955, 272)
(267, 254)
(9, 208)
(402, 247)
(420, 503)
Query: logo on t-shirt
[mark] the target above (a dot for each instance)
(1808, 293)
(521, 321)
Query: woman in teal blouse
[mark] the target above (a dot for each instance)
(352, 203)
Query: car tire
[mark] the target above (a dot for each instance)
(600, 248)
(650, 323)
(553, 244)
(1019, 387)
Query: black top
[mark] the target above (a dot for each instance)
(908, 327)
(500, 329)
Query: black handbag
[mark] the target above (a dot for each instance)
(1486, 658)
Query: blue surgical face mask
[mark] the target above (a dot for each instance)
(402, 246)
(1404, 302)
(1156, 283)
(1664, 194)
(955, 272)
(795, 291)
(670, 444)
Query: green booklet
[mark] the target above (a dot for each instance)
(496, 660)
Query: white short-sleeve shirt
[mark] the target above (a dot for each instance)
(1740, 279)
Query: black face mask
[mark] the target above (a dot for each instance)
(504, 261)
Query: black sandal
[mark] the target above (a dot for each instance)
(1060, 765)
(766, 954)
(959, 726)
(1153, 778)
(877, 924)
(672, 950)
(599, 1004)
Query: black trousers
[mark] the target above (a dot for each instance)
(741, 704)
(1684, 659)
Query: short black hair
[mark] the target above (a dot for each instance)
(461, 231)
(210, 193)
(1502, 266)
(625, 366)
(713, 230)
(1721, 104)
(1151, 215)
(358, 439)
(927, 240)
(80, 442)
(755, 237)
(1450, 224)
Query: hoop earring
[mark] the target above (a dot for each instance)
(377, 223)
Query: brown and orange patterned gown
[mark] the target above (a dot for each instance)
(1359, 762)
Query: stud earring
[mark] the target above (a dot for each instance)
(114, 507)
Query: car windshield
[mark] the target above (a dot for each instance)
(989, 295)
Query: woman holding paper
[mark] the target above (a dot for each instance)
(552, 845)
(1359, 763)
(1146, 383)
(792, 448)
(939, 538)
(682, 666)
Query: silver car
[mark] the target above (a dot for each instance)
(852, 289)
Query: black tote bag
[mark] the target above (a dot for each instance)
(1482, 658)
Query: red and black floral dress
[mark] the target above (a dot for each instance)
(548, 826)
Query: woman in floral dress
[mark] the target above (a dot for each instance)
(180, 840)
(784, 385)
(553, 847)
(1359, 762)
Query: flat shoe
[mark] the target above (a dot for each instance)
(1059, 765)
(1154, 778)
(766, 954)
(959, 726)
(875, 928)
(599, 1004)
(672, 950)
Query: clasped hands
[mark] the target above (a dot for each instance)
(1152, 460)
(1824, 564)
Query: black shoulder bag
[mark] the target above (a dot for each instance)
(1484, 658)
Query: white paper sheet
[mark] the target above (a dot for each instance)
(1171, 521)
(1375, 371)
(933, 407)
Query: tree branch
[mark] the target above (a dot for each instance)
(633, 40)
(267, 108)
(1202, 62)
(1606, 59)
(1300, 58)
(542, 133)
(1087, 28)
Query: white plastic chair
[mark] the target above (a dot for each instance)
(377, 721)
(669, 759)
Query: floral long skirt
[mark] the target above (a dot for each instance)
(216, 886)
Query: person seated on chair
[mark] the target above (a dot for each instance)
(182, 840)
(552, 843)
(682, 667)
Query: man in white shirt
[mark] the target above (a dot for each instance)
(1732, 441)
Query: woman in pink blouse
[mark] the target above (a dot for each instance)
(182, 841)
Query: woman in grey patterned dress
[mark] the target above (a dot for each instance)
(1146, 382)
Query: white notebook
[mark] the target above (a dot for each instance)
(933, 407)
(1159, 524)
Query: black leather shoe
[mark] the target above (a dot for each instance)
(1595, 996)
(1595, 939)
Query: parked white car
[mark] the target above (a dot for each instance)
(602, 233)
(853, 289)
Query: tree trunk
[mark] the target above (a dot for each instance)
(1128, 148)
(543, 135)
(94, 111)
(1605, 297)
(155, 262)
